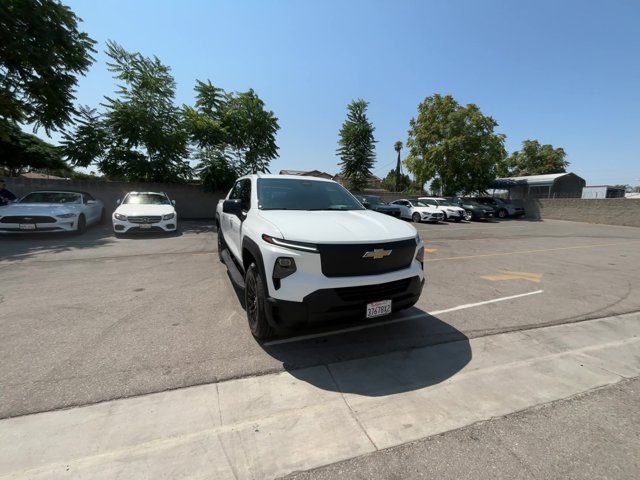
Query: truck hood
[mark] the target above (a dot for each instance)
(350, 226)
(135, 210)
(36, 209)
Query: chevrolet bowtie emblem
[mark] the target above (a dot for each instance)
(377, 253)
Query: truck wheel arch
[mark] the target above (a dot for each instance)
(251, 252)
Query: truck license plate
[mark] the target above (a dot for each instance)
(378, 309)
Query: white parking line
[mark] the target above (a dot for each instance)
(478, 228)
(397, 320)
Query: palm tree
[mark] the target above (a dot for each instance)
(398, 147)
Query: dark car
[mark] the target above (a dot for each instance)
(375, 203)
(475, 210)
(502, 207)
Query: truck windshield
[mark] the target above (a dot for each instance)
(294, 194)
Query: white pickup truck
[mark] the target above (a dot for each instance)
(304, 250)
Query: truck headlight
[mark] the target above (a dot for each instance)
(280, 242)
(119, 216)
(168, 216)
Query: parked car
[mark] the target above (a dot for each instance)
(145, 212)
(473, 209)
(304, 250)
(52, 211)
(375, 203)
(448, 209)
(418, 211)
(502, 207)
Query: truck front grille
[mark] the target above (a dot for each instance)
(348, 260)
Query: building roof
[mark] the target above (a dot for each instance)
(41, 176)
(305, 173)
(537, 180)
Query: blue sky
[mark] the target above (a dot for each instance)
(563, 72)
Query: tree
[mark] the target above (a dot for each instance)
(390, 182)
(21, 152)
(356, 146)
(41, 54)
(234, 133)
(454, 144)
(398, 148)
(536, 159)
(141, 135)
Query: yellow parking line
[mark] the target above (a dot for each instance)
(575, 247)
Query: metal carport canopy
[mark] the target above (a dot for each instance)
(528, 181)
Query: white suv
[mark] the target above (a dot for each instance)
(305, 250)
(145, 212)
(418, 211)
(448, 209)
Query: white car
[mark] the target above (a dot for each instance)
(448, 209)
(145, 212)
(52, 211)
(418, 211)
(304, 250)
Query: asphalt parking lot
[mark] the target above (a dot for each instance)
(92, 318)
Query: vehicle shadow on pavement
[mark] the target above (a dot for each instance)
(21, 246)
(379, 361)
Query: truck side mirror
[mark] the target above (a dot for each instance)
(233, 207)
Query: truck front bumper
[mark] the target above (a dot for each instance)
(345, 303)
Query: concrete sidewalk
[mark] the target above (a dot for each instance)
(589, 436)
(269, 426)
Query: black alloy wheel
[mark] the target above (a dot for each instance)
(255, 304)
(221, 244)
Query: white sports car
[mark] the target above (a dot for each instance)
(418, 211)
(449, 210)
(145, 211)
(52, 211)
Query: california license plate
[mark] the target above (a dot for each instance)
(378, 309)
(145, 225)
(27, 226)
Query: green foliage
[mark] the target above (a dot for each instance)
(41, 53)
(535, 159)
(389, 182)
(251, 132)
(234, 133)
(141, 136)
(20, 152)
(454, 144)
(356, 146)
(215, 169)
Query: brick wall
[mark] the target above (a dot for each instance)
(611, 211)
(191, 200)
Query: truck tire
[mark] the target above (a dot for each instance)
(221, 244)
(255, 304)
